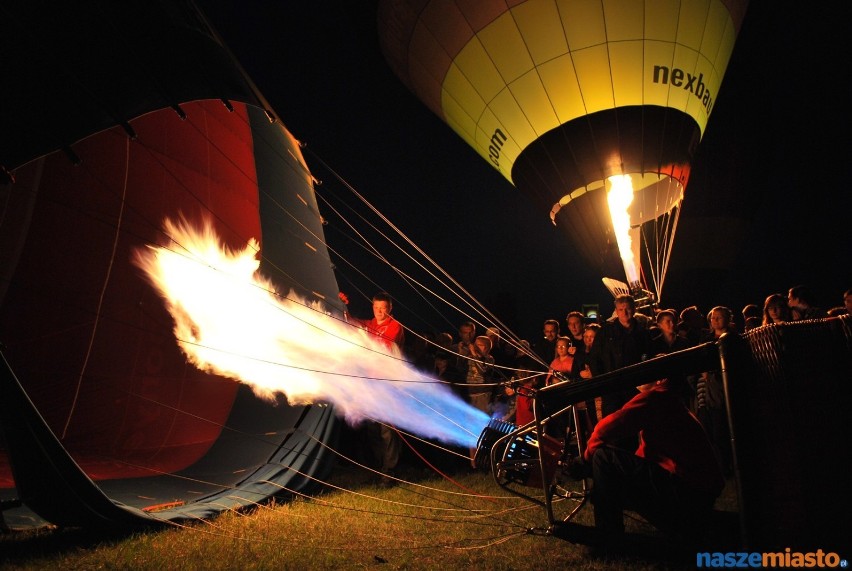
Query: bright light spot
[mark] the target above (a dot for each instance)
(620, 197)
(229, 320)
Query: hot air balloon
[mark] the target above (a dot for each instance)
(570, 98)
(114, 116)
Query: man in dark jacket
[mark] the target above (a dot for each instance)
(622, 341)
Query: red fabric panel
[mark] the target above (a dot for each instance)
(78, 318)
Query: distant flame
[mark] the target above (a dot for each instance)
(620, 197)
(230, 321)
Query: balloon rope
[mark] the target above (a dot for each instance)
(475, 305)
(419, 250)
(670, 244)
(409, 279)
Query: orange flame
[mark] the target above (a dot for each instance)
(620, 197)
(229, 320)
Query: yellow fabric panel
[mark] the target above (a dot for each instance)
(539, 23)
(503, 42)
(624, 19)
(462, 99)
(515, 77)
(693, 14)
(726, 48)
(532, 98)
(477, 13)
(714, 31)
(695, 106)
(468, 137)
(462, 107)
(661, 19)
(684, 59)
(684, 99)
(561, 84)
(626, 60)
(583, 22)
(592, 65)
(475, 65)
(507, 153)
(661, 53)
(501, 154)
(518, 127)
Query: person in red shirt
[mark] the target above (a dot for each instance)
(384, 439)
(558, 426)
(672, 479)
(562, 363)
(382, 325)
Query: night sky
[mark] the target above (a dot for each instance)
(767, 205)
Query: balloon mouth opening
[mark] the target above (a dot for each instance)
(655, 194)
(634, 199)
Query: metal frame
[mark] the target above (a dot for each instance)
(548, 468)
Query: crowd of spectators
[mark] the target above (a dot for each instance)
(496, 374)
(491, 371)
(661, 449)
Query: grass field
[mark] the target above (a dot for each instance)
(427, 521)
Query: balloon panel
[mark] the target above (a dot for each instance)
(560, 95)
(568, 157)
(540, 64)
(149, 426)
(653, 197)
(540, 34)
(86, 335)
(294, 252)
(502, 45)
(559, 78)
(584, 23)
(626, 60)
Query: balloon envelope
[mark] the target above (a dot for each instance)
(121, 116)
(560, 95)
